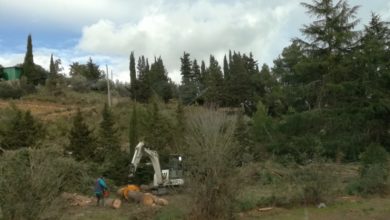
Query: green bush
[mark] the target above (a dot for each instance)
(31, 180)
(10, 91)
(314, 183)
(21, 130)
(79, 83)
(374, 172)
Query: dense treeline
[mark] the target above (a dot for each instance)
(327, 94)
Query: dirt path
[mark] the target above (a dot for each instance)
(44, 110)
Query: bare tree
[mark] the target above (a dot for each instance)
(210, 160)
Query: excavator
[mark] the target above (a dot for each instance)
(173, 176)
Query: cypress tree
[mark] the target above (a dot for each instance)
(28, 65)
(51, 80)
(197, 77)
(225, 68)
(133, 78)
(133, 130)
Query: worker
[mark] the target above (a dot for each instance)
(100, 188)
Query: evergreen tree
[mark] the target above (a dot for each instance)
(133, 78)
(82, 143)
(196, 71)
(22, 131)
(52, 69)
(158, 80)
(188, 88)
(158, 129)
(90, 70)
(225, 68)
(331, 38)
(93, 72)
(197, 77)
(109, 146)
(372, 71)
(238, 86)
(51, 80)
(185, 69)
(133, 130)
(214, 83)
(180, 126)
(144, 91)
(28, 65)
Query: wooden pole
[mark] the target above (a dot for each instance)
(108, 87)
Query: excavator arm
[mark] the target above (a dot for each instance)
(139, 152)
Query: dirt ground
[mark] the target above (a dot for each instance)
(44, 110)
(353, 208)
(345, 209)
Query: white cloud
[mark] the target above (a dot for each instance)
(201, 28)
(72, 14)
(110, 29)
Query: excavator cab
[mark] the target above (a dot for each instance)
(175, 166)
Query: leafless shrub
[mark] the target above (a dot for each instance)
(210, 154)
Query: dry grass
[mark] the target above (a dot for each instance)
(376, 208)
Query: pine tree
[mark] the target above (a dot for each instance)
(82, 143)
(185, 69)
(144, 91)
(214, 83)
(372, 71)
(133, 78)
(197, 77)
(109, 146)
(331, 38)
(238, 86)
(203, 74)
(188, 88)
(93, 72)
(158, 80)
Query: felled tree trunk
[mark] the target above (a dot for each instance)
(146, 198)
(113, 203)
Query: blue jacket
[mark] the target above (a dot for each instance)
(100, 186)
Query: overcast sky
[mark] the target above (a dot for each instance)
(108, 30)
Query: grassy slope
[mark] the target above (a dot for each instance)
(60, 110)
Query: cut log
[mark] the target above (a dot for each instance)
(116, 204)
(113, 203)
(265, 209)
(148, 199)
(161, 201)
(135, 196)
